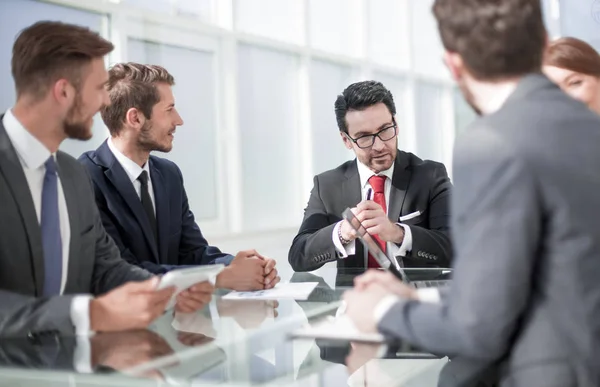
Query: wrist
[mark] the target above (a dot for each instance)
(344, 241)
(399, 235)
(222, 281)
(96, 313)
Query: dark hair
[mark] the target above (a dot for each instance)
(573, 54)
(359, 96)
(132, 85)
(48, 51)
(496, 39)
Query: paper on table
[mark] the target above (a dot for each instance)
(338, 328)
(296, 290)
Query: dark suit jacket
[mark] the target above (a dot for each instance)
(95, 265)
(180, 242)
(417, 185)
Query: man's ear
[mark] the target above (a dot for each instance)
(455, 64)
(346, 140)
(134, 118)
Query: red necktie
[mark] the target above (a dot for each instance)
(378, 186)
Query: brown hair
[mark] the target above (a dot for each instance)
(496, 39)
(132, 85)
(48, 51)
(573, 54)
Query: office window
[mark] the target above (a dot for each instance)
(273, 19)
(389, 32)
(195, 144)
(19, 14)
(268, 98)
(427, 46)
(336, 26)
(429, 121)
(397, 86)
(581, 19)
(327, 81)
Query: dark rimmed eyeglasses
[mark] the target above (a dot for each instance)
(367, 141)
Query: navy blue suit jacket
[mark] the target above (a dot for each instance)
(180, 241)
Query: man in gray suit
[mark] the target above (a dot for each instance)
(526, 289)
(408, 208)
(54, 253)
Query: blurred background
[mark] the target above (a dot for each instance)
(255, 84)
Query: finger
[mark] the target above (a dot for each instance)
(148, 285)
(371, 276)
(272, 284)
(188, 305)
(159, 297)
(370, 214)
(197, 296)
(270, 266)
(271, 276)
(367, 205)
(375, 229)
(203, 287)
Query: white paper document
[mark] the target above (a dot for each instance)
(295, 290)
(337, 328)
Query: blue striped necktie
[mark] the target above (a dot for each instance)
(50, 226)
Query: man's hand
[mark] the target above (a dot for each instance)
(124, 350)
(249, 314)
(245, 272)
(386, 280)
(375, 220)
(361, 304)
(348, 233)
(194, 298)
(271, 277)
(131, 306)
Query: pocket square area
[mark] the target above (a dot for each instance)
(409, 216)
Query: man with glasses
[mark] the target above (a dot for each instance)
(400, 199)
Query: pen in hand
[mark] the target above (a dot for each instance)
(369, 191)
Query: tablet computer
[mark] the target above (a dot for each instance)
(182, 279)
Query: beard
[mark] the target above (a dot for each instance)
(147, 143)
(468, 96)
(74, 126)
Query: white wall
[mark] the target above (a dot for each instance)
(256, 91)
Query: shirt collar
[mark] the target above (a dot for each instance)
(31, 151)
(365, 173)
(132, 169)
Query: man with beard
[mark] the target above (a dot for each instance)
(54, 252)
(524, 215)
(141, 198)
(401, 199)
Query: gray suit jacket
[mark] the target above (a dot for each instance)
(526, 229)
(95, 265)
(417, 185)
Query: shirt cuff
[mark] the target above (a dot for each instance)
(431, 295)
(383, 307)
(407, 242)
(343, 251)
(82, 358)
(80, 315)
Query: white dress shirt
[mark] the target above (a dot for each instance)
(365, 174)
(32, 155)
(133, 171)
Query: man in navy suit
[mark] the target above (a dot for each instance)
(141, 198)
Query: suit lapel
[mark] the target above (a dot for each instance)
(162, 209)
(119, 179)
(11, 168)
(351, 189)
(70, 192)
(400, 182)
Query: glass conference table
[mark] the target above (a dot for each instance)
(235, 343)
